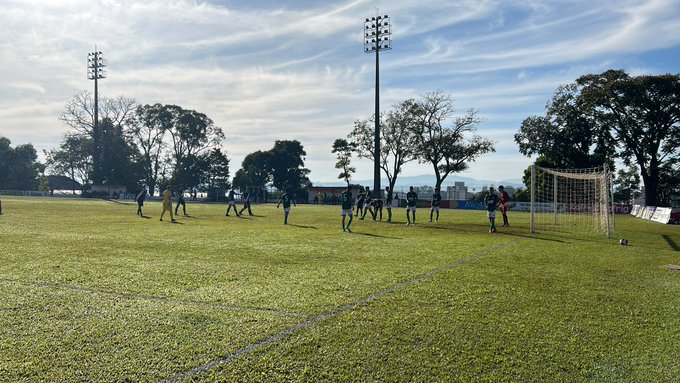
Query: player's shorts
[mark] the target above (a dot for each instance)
(346, 212)
(410, 208)
(434, 208)
(286, 209)
(232, 203)
(167, 206)
(360, 205)
(503, 207)
(491, 214)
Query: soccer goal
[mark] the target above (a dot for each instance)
(571, 201)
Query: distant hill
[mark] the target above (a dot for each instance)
(404, 182)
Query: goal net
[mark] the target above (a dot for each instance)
(571, 201)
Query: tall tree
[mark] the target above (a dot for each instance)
(643, 113)
(442, 145)
(147, 126)
(192, 133)
(216, 174)
(343, 150)
(566, 137)
(121, 161)
(256, 171)
(72, 159)
(288, 171)
(19, 166)
(397, 140)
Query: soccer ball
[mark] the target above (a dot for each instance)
(624, 242)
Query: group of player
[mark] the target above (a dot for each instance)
(364, 203)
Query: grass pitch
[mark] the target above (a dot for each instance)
(89, 292)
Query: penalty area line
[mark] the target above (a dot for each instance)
(198, 370)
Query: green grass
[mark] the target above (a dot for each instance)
(89, 292)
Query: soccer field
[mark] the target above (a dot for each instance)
(92, 293)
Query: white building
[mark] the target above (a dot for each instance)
(458, 192)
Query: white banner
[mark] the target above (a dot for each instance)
(636, 210)
(662, 215)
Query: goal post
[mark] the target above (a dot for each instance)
(571, 200)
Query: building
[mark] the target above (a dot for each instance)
(458, 192)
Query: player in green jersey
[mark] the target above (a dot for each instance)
(491, 202)
(346, 198)
(286, 199)
(411, 202)
(436, 199)
(388, 203)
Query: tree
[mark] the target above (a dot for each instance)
(121, 161)
(73, 159)
(343, 150)
(288, 171)
(255, 171)
(79, 115)
(643, 113)
(397, 140)
(565, 137)
(669, 183)
(19, 166)
(216, 176)
(147, 127)
(445, 147)
(192, 133)
(627, 185)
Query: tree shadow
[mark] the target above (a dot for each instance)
(671, 242)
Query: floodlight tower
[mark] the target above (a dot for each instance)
(95, 71)
(377, 37)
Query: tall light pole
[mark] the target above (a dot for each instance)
(95, 71)
(377, 37)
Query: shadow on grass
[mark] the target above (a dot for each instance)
(530, 236)
(145, 216)
(375, 235)
(119, 202)
(304, 227)
(671, 242)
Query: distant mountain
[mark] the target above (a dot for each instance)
(403, 182)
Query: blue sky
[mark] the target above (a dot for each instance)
(267, 70)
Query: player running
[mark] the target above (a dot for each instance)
(377, 208)
(411, 202)
(436, 200)
(286, 199)
(491, 201)
(504, 205)
(167, 203)
(346, 198)
(231, 200)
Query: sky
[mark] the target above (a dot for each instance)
(284, 70)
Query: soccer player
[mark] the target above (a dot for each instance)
(491, 202)
(436, 199)
(0, 207)
(286, 199)
(361, 197)
(167, 203)
(367, 203)
(504, 205)
(411, 202)
(231, 201)
(140, 197)
(346, 198)
(378, 208)
(246, 203)
(388, 203)
(180, 201)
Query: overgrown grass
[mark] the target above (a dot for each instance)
(91, 293)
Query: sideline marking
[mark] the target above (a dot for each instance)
(300, 326)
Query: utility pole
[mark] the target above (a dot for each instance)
(377, 37)
(95, 71)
